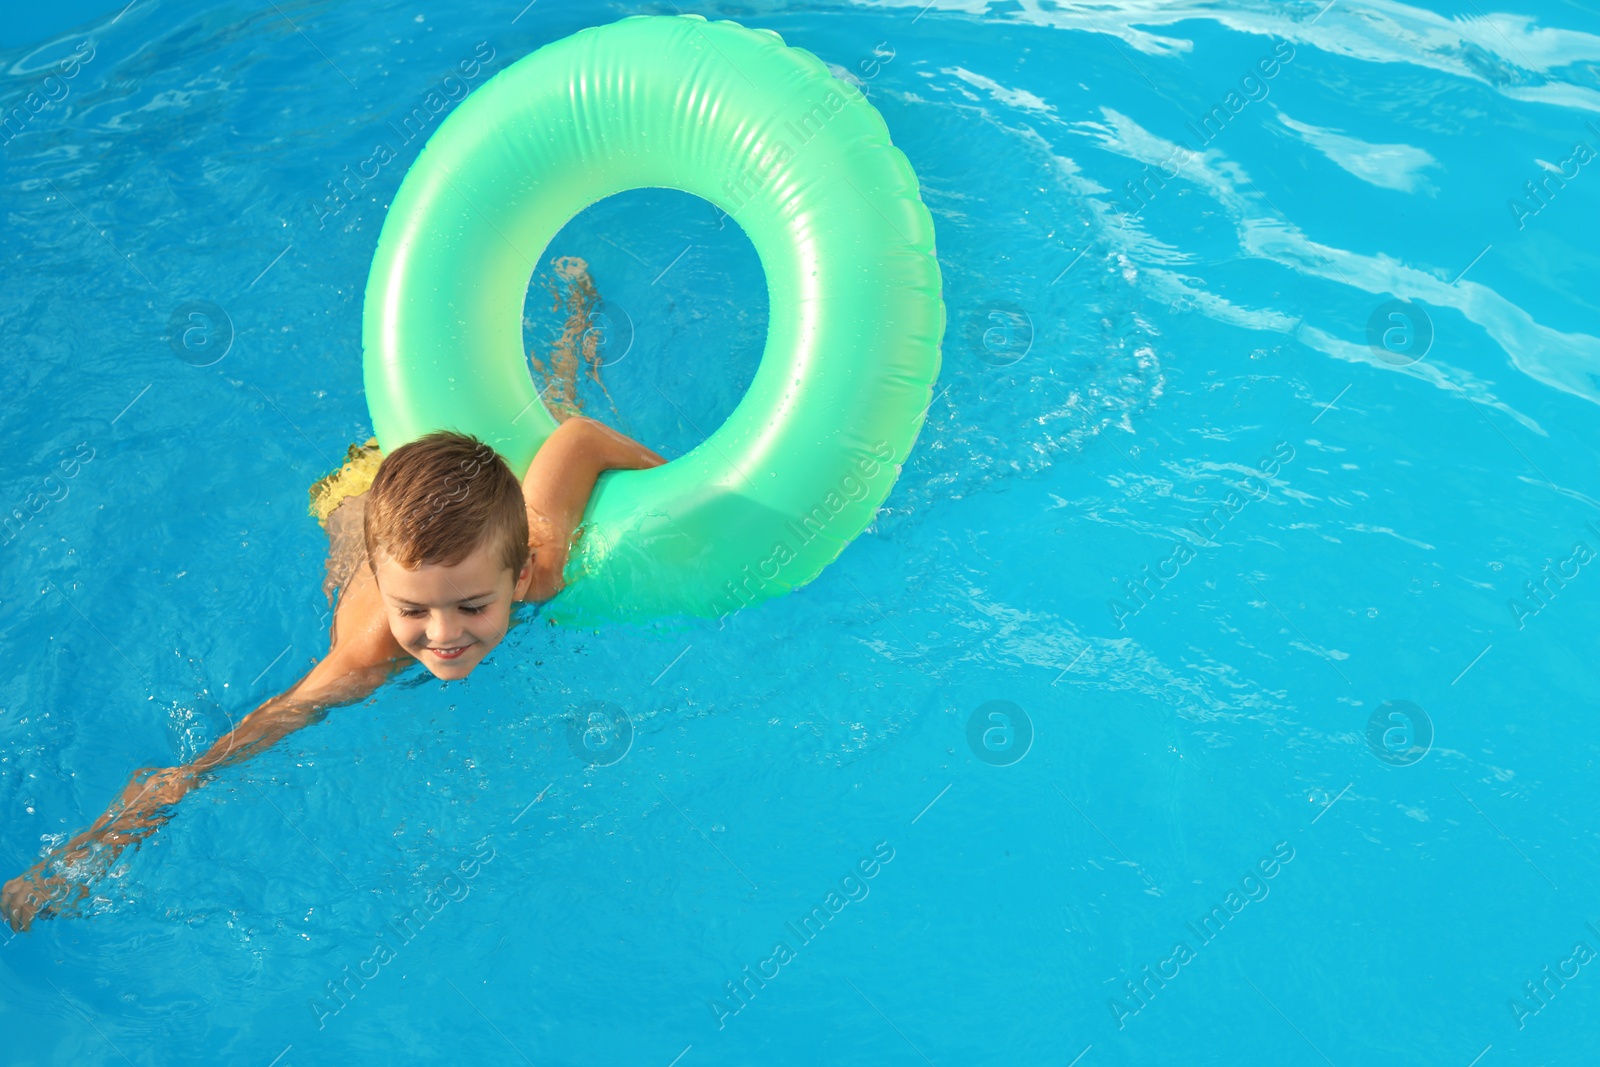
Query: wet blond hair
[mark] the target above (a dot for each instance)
(436, 499)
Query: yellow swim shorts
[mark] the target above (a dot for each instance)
(352, 479)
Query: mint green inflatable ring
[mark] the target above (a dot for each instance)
(804, 164)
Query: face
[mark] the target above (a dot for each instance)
(450, 618)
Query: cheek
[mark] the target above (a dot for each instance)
(491, 625)
(404, 629)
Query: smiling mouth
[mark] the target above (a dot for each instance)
(449, 653)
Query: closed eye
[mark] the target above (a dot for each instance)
(413, 612)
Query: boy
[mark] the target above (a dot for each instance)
(451, 542)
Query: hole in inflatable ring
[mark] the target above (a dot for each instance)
(648, 312)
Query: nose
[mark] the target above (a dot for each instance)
(440, 634)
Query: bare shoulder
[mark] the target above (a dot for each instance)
(362, 652)
(545, 579)
(360, 637)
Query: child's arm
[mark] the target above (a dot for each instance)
(353, 668)
(557, 487)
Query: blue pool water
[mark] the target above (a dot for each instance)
(1259, 485)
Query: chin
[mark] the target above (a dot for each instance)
(450, 671)
(454, 675)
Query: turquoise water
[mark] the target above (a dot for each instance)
(1280, 589)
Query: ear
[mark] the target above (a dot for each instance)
(523, 580)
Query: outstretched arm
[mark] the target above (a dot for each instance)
(352, 669)
(558, 485)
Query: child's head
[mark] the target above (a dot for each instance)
(447, 536)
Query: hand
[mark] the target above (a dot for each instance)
(33, 895)
(27, 897)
